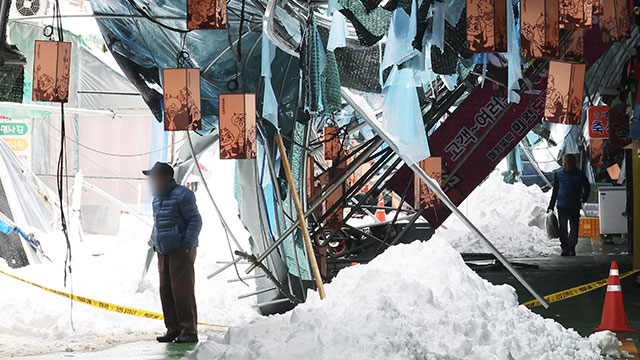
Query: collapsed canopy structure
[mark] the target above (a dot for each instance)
(414, 100)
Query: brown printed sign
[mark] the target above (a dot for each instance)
(432, 166)
(564, 92)
(51, 63)
(237, 126)
(539, 32)
(487, 26)
(206, 14)
(615, 20)
(576, 14)
(182, 99)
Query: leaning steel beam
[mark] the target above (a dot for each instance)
(327, 192)
(534, 163)
(433, 186)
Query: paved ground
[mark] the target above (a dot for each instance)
(547, 275)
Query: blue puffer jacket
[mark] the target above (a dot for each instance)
(176, 219)
(570, 189)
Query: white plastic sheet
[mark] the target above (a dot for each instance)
(338, 32)
(402, 31)
(402, 118)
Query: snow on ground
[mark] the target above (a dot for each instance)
(415, 301)
(510, 216)
(108, 268)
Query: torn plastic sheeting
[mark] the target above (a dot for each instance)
(269, 101)
(437, 36)
(453, 10)
(338, 32)
(513, 56)
(402, 118)
(402, 31)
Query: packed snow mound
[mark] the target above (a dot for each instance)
(415, 301)
(511, 216)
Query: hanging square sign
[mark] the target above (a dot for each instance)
(51, 63)
(487, 26)
(332, 145)
(564, 92)
(576, 14)
(432, 166)
(181, 99)
(598, 122)
(237, 126)
(539, 30)
(614, 20)
(206, 14)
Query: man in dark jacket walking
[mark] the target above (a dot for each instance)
(177, 224)
(570, 189)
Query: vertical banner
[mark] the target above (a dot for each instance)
(615, 20)
(598, 122)
(564, 92)
(206, 14)
(487, 25)
(597, 152)
(181, 99)
(51, 63)
(576, 14)
(237, 123)
(539, 31)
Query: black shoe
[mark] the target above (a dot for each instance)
(184, 338)
(168, 337)
(572, 253)
(564, 253)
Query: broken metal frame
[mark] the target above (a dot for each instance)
(435, 188)
(326, 192)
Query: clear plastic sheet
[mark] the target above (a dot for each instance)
(402, 31)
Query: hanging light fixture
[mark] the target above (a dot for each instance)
(51, 63)
(576, 14)
(564, 92)
(237, 123)
(206, 14)
(539, 28)
(182, 108)
(614, 20)
(487, 26)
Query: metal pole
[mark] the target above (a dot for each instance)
(327, 192)
(535, 164)
(435, 187)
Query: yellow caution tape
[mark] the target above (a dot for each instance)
(575, 291)
(105, 305)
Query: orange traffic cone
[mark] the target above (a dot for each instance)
(613, 315)
(381, 215)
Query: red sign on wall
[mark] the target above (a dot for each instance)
(598, 122)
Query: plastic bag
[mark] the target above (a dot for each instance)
(551, 224)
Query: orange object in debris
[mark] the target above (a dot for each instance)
(381, 215)
(613, 315)
(589, 227)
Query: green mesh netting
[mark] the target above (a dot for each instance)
(331, 97)
(295, 239)
(370, 26)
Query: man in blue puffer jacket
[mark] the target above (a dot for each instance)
(177, 224)
(571, 189)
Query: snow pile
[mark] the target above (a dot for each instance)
(415, 301)
(609, 345)
(108, 268)
(510, 216)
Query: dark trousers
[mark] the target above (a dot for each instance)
(177, 281)
(568, 221)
